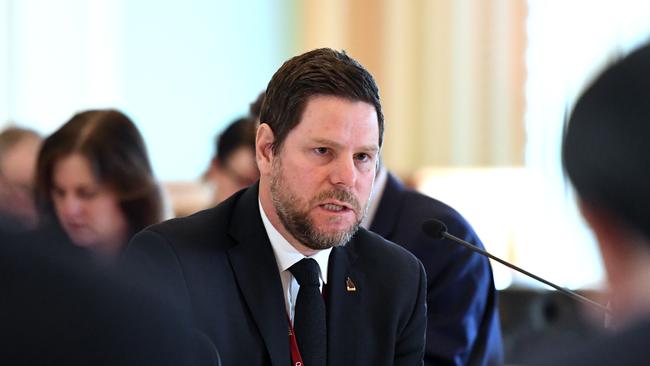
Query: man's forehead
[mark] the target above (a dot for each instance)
(360, 136)
(329, 109)
(336, 98)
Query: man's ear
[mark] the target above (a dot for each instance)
(215, 164)
(605, 226)
(263, 152)
(613, 238)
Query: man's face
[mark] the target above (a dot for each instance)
(237, 172)
(17, 173)
(322, 176)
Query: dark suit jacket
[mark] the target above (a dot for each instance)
(462, 313)
(221, 265)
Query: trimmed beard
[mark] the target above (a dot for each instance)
(299, 224)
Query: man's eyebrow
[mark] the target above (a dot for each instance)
(336, 144)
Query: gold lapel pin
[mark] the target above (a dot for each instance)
(349, 285)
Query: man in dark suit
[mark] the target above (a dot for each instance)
(606, 157)
(462, 314)
(236, 267)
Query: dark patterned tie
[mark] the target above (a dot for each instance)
(309, 318)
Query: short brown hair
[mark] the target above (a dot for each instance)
(319, 72)
(239, 133)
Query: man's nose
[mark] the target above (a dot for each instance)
(344, 172)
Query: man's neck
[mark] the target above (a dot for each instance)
(632, 297)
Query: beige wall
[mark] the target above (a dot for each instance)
(451, 73)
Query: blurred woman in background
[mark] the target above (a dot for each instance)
(94, 179)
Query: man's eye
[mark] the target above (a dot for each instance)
(363, 157)
(321, 150)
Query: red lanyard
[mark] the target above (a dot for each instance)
(296, 358)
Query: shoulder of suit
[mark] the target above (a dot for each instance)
(198, 218)
(202, 226)
(421, 206)
(415, 200)
(371, 246)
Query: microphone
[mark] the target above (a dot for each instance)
(438, 230)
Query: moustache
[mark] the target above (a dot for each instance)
(339, 195)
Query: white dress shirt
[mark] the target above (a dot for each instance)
(286, 256)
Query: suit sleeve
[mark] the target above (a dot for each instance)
(155, 262)
(463, 322)
(410, 344)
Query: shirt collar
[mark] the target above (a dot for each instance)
(286, 255)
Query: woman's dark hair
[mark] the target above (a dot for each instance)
(256, 107)
(118, 159)
(241, 132)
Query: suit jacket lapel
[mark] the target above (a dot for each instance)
(345, 287)
(256, 271)
(386, 217)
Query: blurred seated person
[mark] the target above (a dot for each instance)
(94, 179)
(463, 325)
(256, 107)
(605, 155)
(233, 167)
(18, 152)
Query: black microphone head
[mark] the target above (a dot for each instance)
(434, 228)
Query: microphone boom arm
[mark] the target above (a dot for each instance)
(563, 290)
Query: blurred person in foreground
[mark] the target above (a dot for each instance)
(462, 311)
(18, 153)
(94, 179)
(281, 273)
(606, 156)
(57, 308)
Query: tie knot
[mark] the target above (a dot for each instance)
(306, 272)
